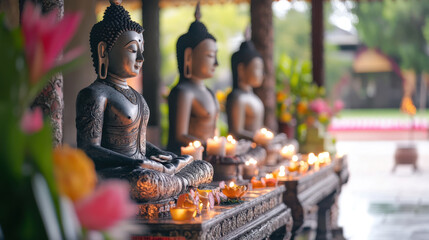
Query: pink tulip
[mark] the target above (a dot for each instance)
(338, 106)
(109, 204)
(32, 120)
(319, 106)
(45, 38)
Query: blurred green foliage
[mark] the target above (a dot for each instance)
(398, 28)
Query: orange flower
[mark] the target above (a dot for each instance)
(74, 171)
(407, 106)
(302, 107)
(281, 96)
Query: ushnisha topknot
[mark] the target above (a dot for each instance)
(197, 33)
(116, 20)
(245, 54)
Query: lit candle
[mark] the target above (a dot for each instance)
(231, 144)
(182, 214)
(270, 180)
(282, 172)
(216, 146)
(287, 151)
(313, 161)
(303, 167)
(324, 158)
(234, 191)
(195, 149)
(263, 137)
(250, 168)
(293, 164)
(257, 183)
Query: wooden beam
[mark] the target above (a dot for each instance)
(317, 41)
(152, 67)
(263, 37)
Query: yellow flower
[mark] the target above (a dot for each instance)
(221, 96)
(74, 172)
(285, 117)
(323, 118)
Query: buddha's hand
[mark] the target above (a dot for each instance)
(161, 158)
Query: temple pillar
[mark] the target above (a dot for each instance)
(152, 69)
(263, 37)
(317, 30)
(51, 98)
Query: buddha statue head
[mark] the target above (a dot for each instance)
(117, 44)
(196, 51)
(247, 66)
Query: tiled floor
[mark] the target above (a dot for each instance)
(377, 204)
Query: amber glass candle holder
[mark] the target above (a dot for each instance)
(183, 214)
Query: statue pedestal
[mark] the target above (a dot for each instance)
(261, 215)
(156, 209)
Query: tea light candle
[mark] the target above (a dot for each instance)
(250, 168)
(313, 161)
(216, 146)
(287, 151)
(263, 136)
(303, 167)
(257, 183)
(293, 164)
(182, 214)
(324, 158)
(270, 180)
(195, 149)
(231, 144)
(282, 172)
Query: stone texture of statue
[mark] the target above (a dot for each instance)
(193, 108)
(112, 117)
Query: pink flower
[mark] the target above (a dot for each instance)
(32, 120)
(109, 204)
(338, 106)
(319, 106)
(45, 38)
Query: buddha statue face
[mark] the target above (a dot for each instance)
(202, 59)
(126, 56)
(252, 73)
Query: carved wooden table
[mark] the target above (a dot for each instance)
(262, 214)
(312, 189)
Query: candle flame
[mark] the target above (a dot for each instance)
(197, 144)
(269, 176)
(295, 158)
(311, 158)
(282, 168)
(230, 138)
(231, 184)
(264, 130)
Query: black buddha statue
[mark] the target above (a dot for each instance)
(193, 108)
(112, 117)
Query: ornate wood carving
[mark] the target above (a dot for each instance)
(262, 213)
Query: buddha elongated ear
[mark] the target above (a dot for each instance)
(241, 72)
(187, 71)
(103, 60)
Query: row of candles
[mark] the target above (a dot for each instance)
(221, 146)
(218, 146)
